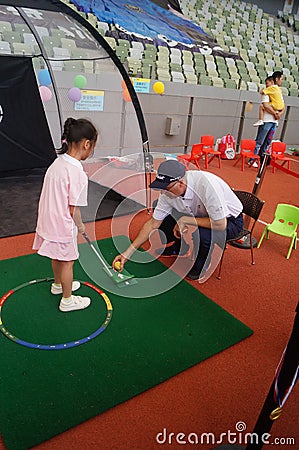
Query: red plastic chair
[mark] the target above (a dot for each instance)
(193, 157)
(247, 147)
(278, 150)
(208, 144)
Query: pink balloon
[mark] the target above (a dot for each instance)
(74, 94)
(45, 93)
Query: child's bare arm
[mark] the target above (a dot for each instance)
(76, 215)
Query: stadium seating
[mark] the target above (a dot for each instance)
(259, 44)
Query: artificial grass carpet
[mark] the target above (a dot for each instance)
(45, 392)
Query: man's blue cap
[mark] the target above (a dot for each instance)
(168, 171)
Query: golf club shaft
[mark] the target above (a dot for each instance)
(97, 253)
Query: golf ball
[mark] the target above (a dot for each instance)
(117, 265)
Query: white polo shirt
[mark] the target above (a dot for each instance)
(65, 184)
(206, 196)
(267, 116)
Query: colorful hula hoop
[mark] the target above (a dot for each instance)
(56, 346)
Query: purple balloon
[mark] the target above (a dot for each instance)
(74, 94)
(45, 93)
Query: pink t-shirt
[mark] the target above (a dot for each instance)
(65, 185)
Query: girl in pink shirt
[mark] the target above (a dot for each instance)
(59, 219)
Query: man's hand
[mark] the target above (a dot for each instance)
(143, 235)
(278, 115)
(120, 260)
(180, 228)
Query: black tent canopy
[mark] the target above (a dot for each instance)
(30, 126)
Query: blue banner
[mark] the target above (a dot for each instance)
(134, 20)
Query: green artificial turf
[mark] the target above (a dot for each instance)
(150, 338)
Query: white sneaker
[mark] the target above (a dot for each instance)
(255, 164)
(258, 123)
(76, 302)
(58, 289)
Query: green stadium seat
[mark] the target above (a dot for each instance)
(217, 82)
(73, 66)
(148, 66)
(12, 36)
(111, 41)
(19, 48)
(151, 48)
(20, 28)
(205, 80)
(212, 73)
(198, 57)
(284, 90)
(122, 53)
(163, 75)
(162, 58)
(68, 43)
(5, 48)
(293, 92)
(187, 57)
(124, 43)
(5, 26)
(38, 63)
(49, 42)
(134, 66)
(57, 33)
(92, 19)
(164, 65)
(149, 54)
(163, 50)
(188, 68)
(174, 67)
(177, 77)
(231, 84)
(78, 53)
(191, 78)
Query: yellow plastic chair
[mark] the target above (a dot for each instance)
(285, 223)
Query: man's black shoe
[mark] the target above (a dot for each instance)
(193, 275)
(173, 250)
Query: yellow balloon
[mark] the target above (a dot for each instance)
(158, 87)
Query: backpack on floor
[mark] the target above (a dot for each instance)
(227, 147)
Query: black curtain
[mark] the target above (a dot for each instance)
(25, 139)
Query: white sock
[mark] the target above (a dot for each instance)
(66, 300)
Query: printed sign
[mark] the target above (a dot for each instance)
(91, 101)
(141, 84)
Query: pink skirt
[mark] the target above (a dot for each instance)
(62, 251)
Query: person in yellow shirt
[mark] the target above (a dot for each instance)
(275, 97)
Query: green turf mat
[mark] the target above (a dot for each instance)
(45, 392)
